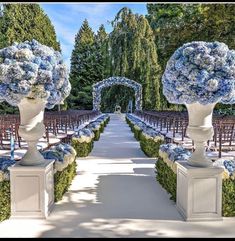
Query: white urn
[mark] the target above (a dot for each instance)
(31, 129)
(200, 130)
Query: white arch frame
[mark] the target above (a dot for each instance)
(97, 88)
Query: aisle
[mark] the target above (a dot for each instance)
(115, 194)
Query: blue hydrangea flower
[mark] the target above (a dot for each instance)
(26, 65)
(200, 72)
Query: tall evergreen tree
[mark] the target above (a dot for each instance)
(133, 55)
(102, 48)
(87, 65)
(21, 22)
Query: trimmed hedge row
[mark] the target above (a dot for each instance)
(5, 200)
(168, 179)
(148, 146)
(63, 179)
(84, 148)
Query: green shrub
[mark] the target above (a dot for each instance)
(5, 200)
(63, 179)
(137, 134)
(97, 135)
(83, 149)
(101, 127)
(228, 197)
(106, 121)
(166, 177)
(149, 146)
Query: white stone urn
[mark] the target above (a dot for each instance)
(200, 130)
(31, 129)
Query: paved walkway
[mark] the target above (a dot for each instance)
(115, 194)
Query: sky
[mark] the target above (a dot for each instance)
(68, 18)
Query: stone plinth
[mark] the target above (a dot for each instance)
(199, 192)
(32, 190)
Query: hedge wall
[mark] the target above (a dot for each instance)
(63, 179)
(5, 200)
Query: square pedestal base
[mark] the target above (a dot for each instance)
(199, 192)
(32, 190)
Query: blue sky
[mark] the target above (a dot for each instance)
(67, 19)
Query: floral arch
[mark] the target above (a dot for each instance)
(97, 88)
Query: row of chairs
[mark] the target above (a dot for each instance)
(173, 125)
(59, 126)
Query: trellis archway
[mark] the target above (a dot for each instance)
(97, 88)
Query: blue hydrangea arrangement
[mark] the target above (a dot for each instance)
(63, 154)
(201, 72)
(32, 70)
(175, 152)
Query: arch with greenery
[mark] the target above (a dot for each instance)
(97, 88)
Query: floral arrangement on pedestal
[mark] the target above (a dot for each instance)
(32, 70)
(32, 77)
(200, 74)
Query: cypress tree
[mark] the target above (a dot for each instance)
(87, 65)
(21, 22)
(101, 49)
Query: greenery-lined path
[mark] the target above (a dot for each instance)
(115, 194)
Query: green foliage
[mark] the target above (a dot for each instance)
(5, 200)
(133, 55)
(97, 135)
(166, 177)
(116, 95)
(149, 146)
(228, 197)
(22, 22)
(88, 63)
(137, 134)
(83, 149)
(63, 179)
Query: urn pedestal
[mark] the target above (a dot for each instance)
(31, 129)
(32, 190)
(199, 192)
(200, 130)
